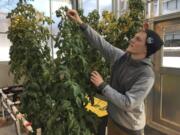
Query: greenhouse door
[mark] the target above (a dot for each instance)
(165, 98)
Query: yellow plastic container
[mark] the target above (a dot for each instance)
(99, 107)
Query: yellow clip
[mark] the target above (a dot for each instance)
(99, 107)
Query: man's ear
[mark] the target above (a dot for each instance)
(145, 25)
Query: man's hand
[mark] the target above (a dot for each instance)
(96, 78)
(73, 15)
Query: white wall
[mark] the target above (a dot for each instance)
(5, 78)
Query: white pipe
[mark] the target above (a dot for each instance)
(15, 110)
(2, 108)
(21, 117)
(18, 127)
(9, 111)
(26, 124)
(10, 104)
(17, 102)
(10, 94)
(3, 95)
(38, 131)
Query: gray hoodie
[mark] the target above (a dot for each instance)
(131, 81)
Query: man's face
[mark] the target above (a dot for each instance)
(137, 44)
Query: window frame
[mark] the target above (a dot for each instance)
(97, 6)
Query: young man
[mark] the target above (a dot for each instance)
(132, 77)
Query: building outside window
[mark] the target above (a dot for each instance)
(148, 9)
(171, 49)
(100, 5)
(156, 8)
(161, 7)
(171, 6)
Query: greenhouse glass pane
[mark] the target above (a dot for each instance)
(5, 7)
(89, 6)
(105, 5)
(171, 49)
(171, 6)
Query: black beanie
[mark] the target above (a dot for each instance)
(153, 42)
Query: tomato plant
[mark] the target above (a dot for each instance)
(57, 90)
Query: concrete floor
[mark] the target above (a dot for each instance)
(151, 131)
(8, 128)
